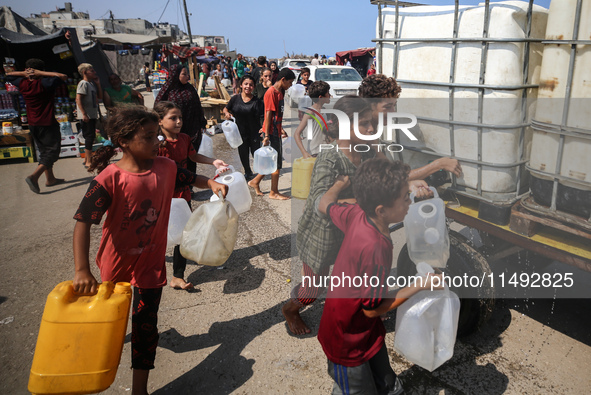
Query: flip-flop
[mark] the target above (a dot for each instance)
(33, 185)
(57, 182)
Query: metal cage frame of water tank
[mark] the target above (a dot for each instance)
(507, 198)
(563, 130)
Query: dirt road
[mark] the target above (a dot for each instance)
(229, 336)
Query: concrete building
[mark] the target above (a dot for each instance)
(86, 27)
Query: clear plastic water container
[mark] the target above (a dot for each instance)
(286, 149)
(210, 235)
(265, 160)
(427, 236)
(238, 193)
(179, 215)
(232, 133)
(427, 325)
(206, 147)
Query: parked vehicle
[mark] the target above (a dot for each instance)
(343, 80)
(295, 65)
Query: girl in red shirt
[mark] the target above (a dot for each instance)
(177, 146)
(135, 193)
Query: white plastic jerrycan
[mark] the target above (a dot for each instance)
(238, 193)
(265, 160)
(296, 93)
(179, 215)
(232, 133)
(206, 147)
(210, 234)
(427, 237)
(286, 148)
(427, 324)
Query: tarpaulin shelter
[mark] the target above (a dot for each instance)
(60, 51)
(182, 52)
(360, 58)
(14, 22)
(132, 39)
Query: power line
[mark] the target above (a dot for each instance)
(160, 17)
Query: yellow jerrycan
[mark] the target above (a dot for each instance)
(301, 176)
(80, 339)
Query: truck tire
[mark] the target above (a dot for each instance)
(463, 258)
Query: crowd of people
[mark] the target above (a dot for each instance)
(353, 198)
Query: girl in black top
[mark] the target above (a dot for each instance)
(264, 83)
(248, 110)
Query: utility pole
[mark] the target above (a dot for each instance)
(188, 24)
(112, 21)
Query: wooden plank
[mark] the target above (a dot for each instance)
(221, 88)
(502, 232)
(192, 71)
(523, 217)
(200, 84)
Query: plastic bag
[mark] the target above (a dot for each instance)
(426, 328)
(179, 216)
(210, 234)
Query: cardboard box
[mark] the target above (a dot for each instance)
(70, 150)
(69, 140)
(16, 152)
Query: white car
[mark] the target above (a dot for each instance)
(295, 65)
(343, 80)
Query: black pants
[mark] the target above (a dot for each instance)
(144, 327)
(48, 140)
(89, 134)
(249, 145)
(179, 263)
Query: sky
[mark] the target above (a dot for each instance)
(262, 27)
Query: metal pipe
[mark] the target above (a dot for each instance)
(452, 78)
(481, 79)
(524, 95)
(472, 124)
(567, 96)
(381, 35)
(475, 86)
(465, 39)
(472, 161)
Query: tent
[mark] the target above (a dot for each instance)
(133, 39)
(16, 23)
(360, 58)
(60, 51)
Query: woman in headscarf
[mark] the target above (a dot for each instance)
(274, 71)
(178, 90)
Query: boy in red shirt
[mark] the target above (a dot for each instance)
(273, 131)
(38, 89)
(351, 332)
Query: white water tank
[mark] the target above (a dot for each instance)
(565, 115)
(423, 70)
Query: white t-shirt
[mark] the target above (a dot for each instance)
(313, 145)
(315, 62)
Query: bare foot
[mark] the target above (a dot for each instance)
(291, 312)
(278, 196)
(256, 187)
(179, 283)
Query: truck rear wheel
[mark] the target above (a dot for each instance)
(463, 258)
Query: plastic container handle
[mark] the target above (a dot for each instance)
(435, 195)
(233, 119)
(221, 196)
